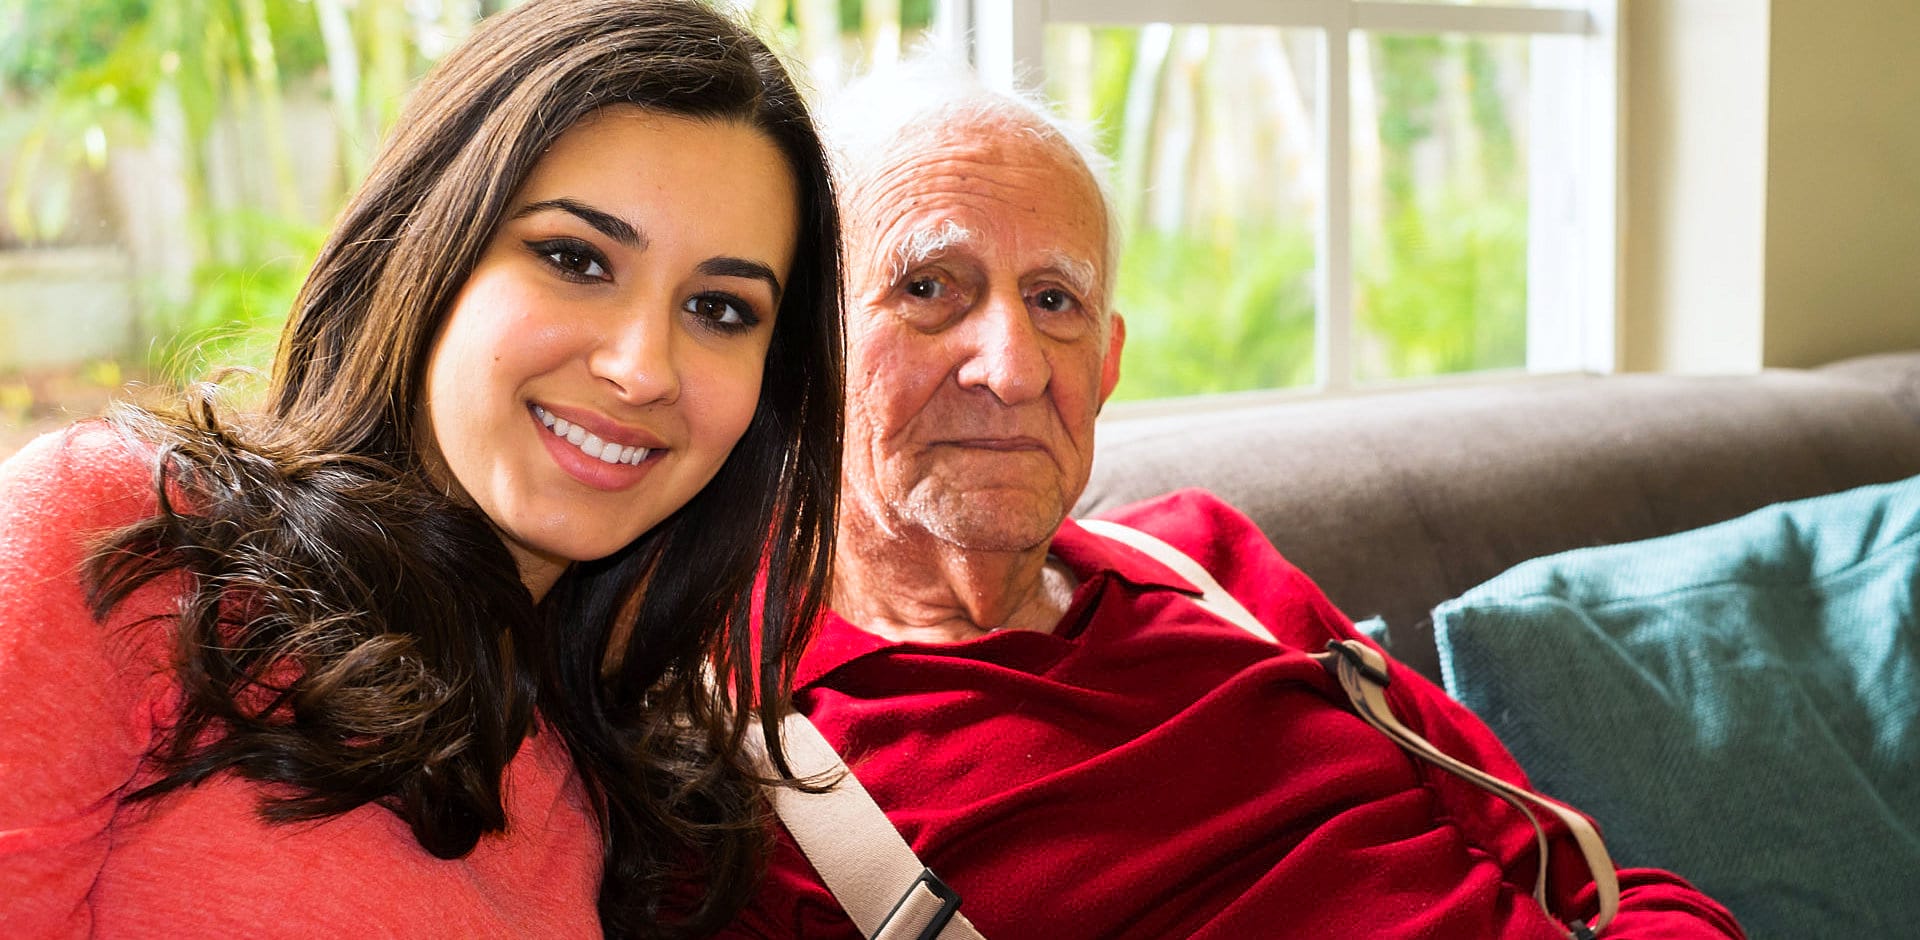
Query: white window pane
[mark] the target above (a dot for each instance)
(1212, 136)
(1440, 203)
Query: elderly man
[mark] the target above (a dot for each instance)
(1052, 721)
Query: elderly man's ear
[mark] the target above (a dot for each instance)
(1110, 369)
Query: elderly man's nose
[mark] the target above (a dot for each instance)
(636, 360)
(1006, 355)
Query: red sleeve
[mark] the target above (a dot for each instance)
(75, 703)
(1654, 904)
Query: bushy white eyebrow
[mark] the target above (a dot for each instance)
(1079, 273)
(923, 244)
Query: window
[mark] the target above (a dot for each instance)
(1319, 193)
(1331, 193)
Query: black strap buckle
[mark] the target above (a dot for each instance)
(949, 904)
(1341, 649)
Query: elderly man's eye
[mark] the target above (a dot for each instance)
(1055, 300)
(931, 299)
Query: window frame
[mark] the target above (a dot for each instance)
(1575, 184)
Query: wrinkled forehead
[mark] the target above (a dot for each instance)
(1007, 194)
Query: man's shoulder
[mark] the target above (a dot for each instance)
(1234, 551)
(1190, 518)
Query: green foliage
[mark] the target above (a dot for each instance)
(42, 41)
(1216, 316)
(236, 308)
(1445, 294)
(1444, 287)
(1448, 291)
(1440, 282)
(914, 14)
(107, 93)
(1114, 54)
(1499, 155)
(1409, 90)
(107, 73)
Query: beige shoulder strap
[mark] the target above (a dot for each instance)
(1362, 672)
(870, 869)
(1213, 597)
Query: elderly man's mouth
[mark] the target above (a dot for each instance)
(998, 444)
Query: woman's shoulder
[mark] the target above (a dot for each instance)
(80, 699)
(84, 476)
(58, 495)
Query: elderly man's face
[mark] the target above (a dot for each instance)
(981, 346)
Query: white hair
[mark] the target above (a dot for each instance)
(883, 116)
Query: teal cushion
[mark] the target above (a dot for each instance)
(1739, 704)
(1375, 629)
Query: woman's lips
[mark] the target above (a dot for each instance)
(601, 462)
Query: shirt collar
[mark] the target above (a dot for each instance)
(1089, 555)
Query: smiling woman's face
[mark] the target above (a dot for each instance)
(606, 353)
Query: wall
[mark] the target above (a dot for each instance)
(1693, 264)
(1772, 211)
(1843, 181)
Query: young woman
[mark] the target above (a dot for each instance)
(454, 638)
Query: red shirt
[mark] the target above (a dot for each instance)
(81, 703)
(1148, 770)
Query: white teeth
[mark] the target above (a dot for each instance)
(590, 444)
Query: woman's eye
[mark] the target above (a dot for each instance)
(1054, 300)
(573, 259)
(722, 310)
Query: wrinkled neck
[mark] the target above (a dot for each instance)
(916, 588)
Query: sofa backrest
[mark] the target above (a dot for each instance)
(1394, 502)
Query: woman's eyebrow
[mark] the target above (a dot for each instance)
(741, 267)
(605, 223)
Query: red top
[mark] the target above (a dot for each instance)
(80, 704)
(1148, 770)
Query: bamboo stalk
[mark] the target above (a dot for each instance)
(343, 78)
(257, 34)
(819, 22)
(384, 31)
(880, 28)
(1137, 143)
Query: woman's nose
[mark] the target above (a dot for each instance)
(636, 357)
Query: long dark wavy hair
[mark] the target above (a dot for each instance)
(348, 633)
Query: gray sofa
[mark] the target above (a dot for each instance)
(1396, 501)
